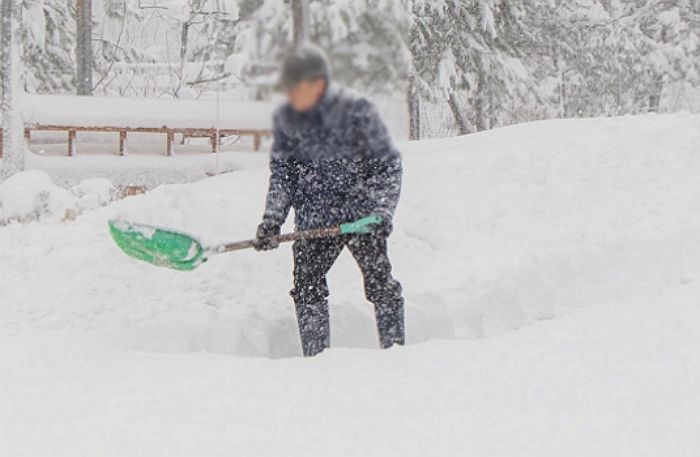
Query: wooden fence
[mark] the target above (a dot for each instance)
(214, 135)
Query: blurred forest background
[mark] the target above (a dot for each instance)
(445, 67)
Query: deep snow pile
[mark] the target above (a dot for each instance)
(591, 222)
(32, 196)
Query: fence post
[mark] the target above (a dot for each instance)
(169, 143)
(72, 136)
(257, 140)
(122, 143)
(215, 141)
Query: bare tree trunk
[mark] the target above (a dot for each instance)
(12, 134)
(655, 97)
(413, 98)
(184, 45)
(463, 125)
(560, 77)
(83, 51)
(658, 83)
(300, 15)
(482, 105)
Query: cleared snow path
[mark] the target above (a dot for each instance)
(594, 223)
(607, 381)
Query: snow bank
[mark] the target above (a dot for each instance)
(32, 196)
(582, 234)
(151, 113)
(494, 231)
(95, 192)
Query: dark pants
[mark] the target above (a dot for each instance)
(313, 259)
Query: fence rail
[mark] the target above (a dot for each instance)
(214, 135)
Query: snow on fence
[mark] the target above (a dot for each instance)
(193, 118)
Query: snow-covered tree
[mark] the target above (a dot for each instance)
(12, 138)
(495, 62)
(49, 43)
(157, 48)
(366, 42)
(468, 53)
(669, 31)
(608, 58)
(364, 39)
(484, 63)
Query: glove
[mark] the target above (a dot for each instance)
(266, 236)
(383, 229)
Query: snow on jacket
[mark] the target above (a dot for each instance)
(333, 164)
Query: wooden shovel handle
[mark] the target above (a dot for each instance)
(286, 238)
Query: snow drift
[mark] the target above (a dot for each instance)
(494, 231)
(590, 225)
(32, 196)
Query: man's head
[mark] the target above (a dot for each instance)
(304, 77)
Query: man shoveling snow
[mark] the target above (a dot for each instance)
(335, 164)
(333, 161)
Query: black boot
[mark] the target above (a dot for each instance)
(314, 328)
(391, 324)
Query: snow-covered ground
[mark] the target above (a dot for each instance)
(146, 170)
(551, 270)
(152, 113)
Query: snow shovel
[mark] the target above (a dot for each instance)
(183, 252)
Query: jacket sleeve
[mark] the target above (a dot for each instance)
(383, 167)
(283, 179)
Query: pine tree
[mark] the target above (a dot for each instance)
(365, 41)
(49, 42)
(485, 63)
(471, 49)
(670, 31)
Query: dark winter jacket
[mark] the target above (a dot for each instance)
(334, 164)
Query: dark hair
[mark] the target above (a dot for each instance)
(304, 63)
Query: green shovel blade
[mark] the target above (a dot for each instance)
(158, 246)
